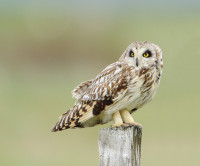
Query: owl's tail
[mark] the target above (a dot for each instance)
(62, 123)
(68, 120)
(75, 117)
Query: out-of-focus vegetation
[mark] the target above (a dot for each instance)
(49, 47)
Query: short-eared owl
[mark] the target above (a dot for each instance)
(120, 89)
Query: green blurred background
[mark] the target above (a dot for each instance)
(49, 47)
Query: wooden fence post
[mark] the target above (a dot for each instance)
(120, 146)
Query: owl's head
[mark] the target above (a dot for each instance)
(143, 54)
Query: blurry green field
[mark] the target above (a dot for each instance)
(46, 53)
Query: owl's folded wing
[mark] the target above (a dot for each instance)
(110, 83)
(106, 89)
(80, 89)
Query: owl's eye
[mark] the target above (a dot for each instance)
(147, 54)
(131, 54)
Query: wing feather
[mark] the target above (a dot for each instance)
(111, 82)
(80, 89)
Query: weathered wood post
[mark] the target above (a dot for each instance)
(120, 146)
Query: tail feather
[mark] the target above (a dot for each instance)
(63, 122)
(75, 117)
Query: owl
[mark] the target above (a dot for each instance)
(119, 90)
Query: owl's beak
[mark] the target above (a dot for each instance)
(137, 62)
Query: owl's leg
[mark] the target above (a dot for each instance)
(128, 119)
(117, 119)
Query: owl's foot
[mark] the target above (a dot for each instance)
(117, 119)
(123, 118)
(117, 125)
(138, 125)
(134, 124)
(121, 125)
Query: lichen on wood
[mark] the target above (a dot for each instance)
(120, 146)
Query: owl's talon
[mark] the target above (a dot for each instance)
(132, 124)
(137, 124)
(126, 125)
(118, 125)
(121, 125)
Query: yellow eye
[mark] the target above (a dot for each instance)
(131, 54)
(146, 54)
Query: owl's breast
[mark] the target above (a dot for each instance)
(144, 89)
(148, 89)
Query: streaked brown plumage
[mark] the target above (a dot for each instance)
(122, 87)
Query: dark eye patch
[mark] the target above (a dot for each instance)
(147, 52)
(131, 53)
